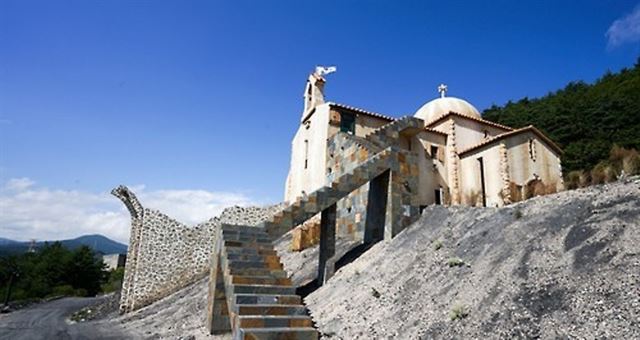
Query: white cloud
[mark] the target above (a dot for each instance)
(28, 211)
(625, 30)
(18, 184)
(191, 206)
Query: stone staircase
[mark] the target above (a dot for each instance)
(308, 206)
(249, 291)
(388, 134)
(260, 298)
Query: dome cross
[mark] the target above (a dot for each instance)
(443, 90)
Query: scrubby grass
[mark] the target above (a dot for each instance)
(437, 245)
(458, 312)
(455, 262)
(621, 160)
(518, 214)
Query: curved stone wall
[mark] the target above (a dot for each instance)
(165, 255)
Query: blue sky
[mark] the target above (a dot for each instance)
(201, 98)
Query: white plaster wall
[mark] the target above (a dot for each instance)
(367, 124)
(428, 179)
(522, 168)
(470, 181)
(445, 126)
(466, 133)
(470, 133)
(313, 177)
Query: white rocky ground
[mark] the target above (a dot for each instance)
(178, 316)
(559, 266)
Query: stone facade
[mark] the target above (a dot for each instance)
(165, 255)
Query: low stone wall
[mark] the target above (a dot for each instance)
(306, 235)
(165, 255)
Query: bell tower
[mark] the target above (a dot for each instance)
(314, 90)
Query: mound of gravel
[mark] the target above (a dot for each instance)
(560, 266)
(180, 315)
(107, 306)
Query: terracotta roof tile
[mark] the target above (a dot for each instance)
(365, 112)
(435, 131)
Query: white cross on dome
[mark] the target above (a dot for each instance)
(443, 90)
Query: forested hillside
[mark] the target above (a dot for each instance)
(586, 120)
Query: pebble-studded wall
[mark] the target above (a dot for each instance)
(165, 255)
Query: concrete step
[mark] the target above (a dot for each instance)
(273, 321)
(253, 257)
(253, 245)
(251, 251)
(260, 280)
(270, 309)
(282, 333)
(248, 238)
(247, 231)
(236, 264)
(276, 273)
(253, 231)
(262, 289)
(266, 299)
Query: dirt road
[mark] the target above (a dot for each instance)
(48, 321)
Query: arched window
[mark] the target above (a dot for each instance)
(347, 123)
(532, 149)
(306, 153)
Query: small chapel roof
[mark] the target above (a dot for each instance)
(362, 111)
(476, 119)
(502, 136)
(377, 115)
(438, 107)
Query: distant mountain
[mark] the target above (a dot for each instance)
(6, 241)
(98, 243)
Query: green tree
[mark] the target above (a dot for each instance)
(86, 271)
(586, 120)
(52, 270)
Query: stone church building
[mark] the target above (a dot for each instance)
(461, 158)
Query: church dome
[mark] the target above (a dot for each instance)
(443, 105)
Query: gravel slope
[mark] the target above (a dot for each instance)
(560, 266)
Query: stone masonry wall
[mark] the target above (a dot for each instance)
(344, 153)
(165, 255)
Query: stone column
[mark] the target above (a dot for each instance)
(454, 163)
(376, 207)
(504, 173)
(327, 244)
(394, 214)
(217, 310)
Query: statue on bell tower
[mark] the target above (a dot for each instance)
(314, 91)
